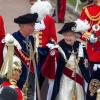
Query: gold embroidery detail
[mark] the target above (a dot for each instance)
(92, 18)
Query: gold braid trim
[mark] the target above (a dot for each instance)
(99, 22)
(92, 18)
(26, 58)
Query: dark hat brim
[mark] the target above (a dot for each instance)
(62, 32)
(68, 27)
(26, 19)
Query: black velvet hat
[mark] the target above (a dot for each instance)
(68, 27)
(88, 1)
(8, 93)
(26, 19)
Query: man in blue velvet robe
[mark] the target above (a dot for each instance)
(24, 37)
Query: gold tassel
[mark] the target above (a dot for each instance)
(7, 64)
(74, 97)
(98, 94)
(74, 92)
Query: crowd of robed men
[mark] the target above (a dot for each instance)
(32, 54)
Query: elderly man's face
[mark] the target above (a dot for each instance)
(69, 37)
(27, 29)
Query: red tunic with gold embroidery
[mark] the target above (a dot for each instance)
(48, 33)
(92, 14)
(20, 95)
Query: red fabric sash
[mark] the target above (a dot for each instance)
(26, 60)
(68, 72)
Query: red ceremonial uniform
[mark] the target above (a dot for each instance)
(2, 31)
(92, 14)
(2, 35)
(62, 10)
(48, 33)
(20, 94)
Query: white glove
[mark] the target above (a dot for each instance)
(96, 66)
(10, 39)
(50, 45)
(93, 39)
(39, 26)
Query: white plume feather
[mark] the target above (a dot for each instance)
(8, 38)
(43, 8)
(82, 26)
